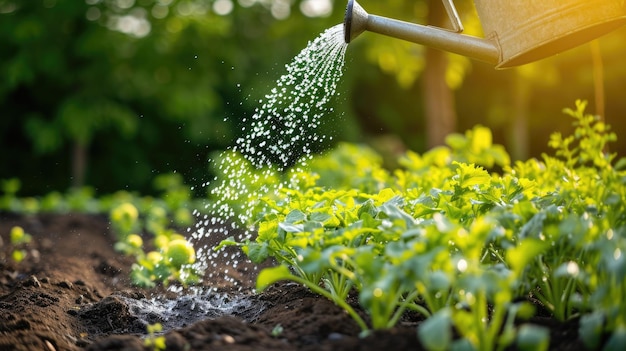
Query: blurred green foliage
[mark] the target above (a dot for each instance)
(128, 89)
(109, 93)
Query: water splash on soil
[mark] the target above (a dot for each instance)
(281, 133)
(186, 310)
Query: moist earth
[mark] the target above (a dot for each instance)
(72, 292)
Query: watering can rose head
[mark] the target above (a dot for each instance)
(516, 32)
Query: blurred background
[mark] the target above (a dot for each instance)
(110, 93)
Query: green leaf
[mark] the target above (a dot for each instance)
(10, 186)
(392, 212)
(525, 311)
(141, 277)
(590, 329)
(257, 252)
(313, 261)
(617, 340)
(518, 257)
(481, 138)
(435, 333)
(291, 228)
(19, 236)
(620, 164)
(162, 272)
(533, 338)
(295, 216)
(18, 255)
(230, 241)
(456, 141)
(367, 208)
(615, 264)
(320, 217)
(386, 195)
(369, 221)
(438, 281)
(269, 276)
(469, 175)
(462, 344)
(268, 230)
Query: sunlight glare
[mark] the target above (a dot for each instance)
(316, 8)
(223, 7)
(93, 13)
(134, 24)
(572, 268)
(281, 9)
(461, 265)
(159, 11)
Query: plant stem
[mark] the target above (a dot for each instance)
(495, 326)
(419, 309)
(484, 343)
(403, 306)
(341, 303)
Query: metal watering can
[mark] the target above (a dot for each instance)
(516, 31)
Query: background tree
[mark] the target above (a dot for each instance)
(438, 96)
(108, 93)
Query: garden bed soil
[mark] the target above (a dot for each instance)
(72, 292)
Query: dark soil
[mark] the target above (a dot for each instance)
(72, 292)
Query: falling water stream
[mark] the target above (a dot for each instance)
(282, 130)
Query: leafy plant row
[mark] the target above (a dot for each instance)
(163, 257)
(452, 239)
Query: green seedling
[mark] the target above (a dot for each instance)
(19, 238)
(133, 219)
(269, 276)
(132, 245)
(172, 262)
(124, 219)
(8, 198)
(277, 330)
(154, 341)
(173, 256)
(179, 253)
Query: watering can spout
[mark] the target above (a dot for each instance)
(357, 20)
(516, 31)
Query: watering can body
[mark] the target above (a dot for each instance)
(516, 32)
(529, 30)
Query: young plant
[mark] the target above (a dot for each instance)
(19, 238)
(174, 255)
(172, 261)
(154, 341)
(269, 276)
(277, 330)
(124, 219)
(484, 314)
(607, 277)
(9, 200)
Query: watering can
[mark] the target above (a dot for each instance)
(516, 32)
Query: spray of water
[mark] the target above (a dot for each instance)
(281, 133)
